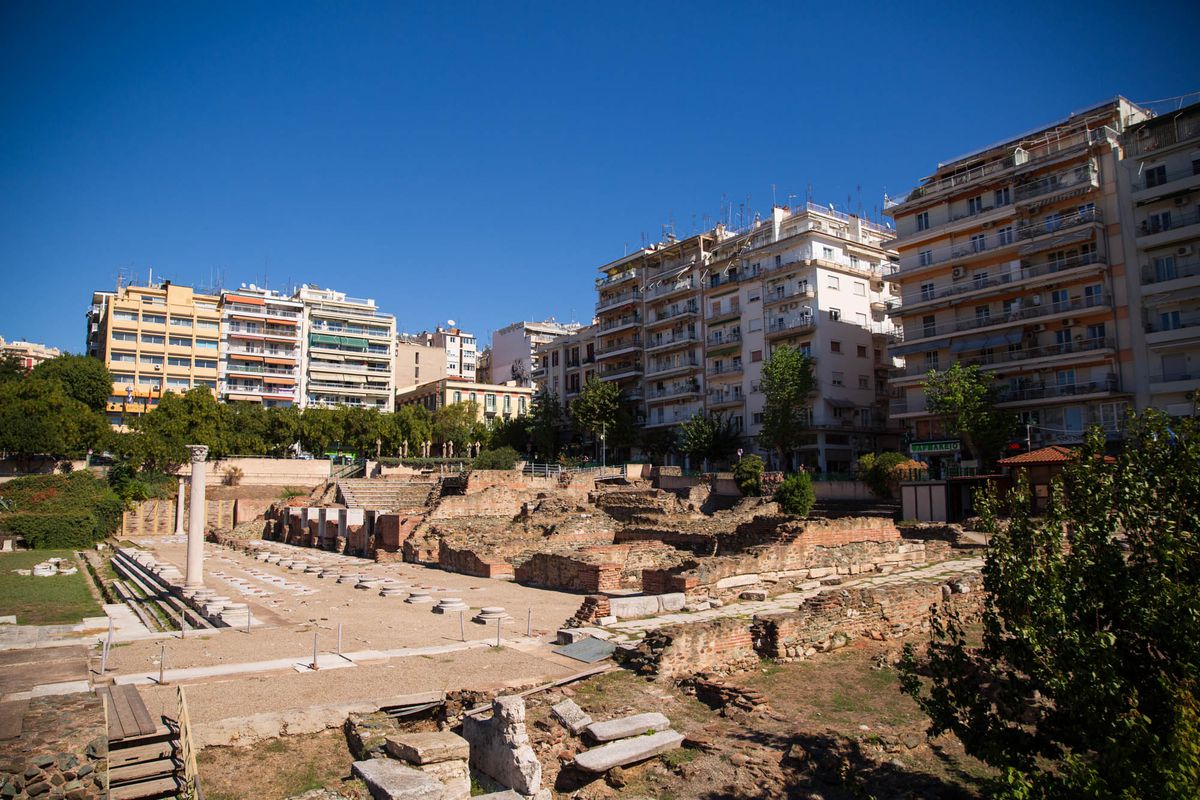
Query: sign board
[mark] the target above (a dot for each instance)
(939, 446)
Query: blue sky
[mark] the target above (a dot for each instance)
(477, 162)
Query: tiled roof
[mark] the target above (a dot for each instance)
(1054, 454)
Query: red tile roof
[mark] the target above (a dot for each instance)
(1054, 454)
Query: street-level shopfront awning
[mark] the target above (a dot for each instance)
(935, 447)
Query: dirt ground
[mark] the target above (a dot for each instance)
(280, 768)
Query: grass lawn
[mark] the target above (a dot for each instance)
(62, 599)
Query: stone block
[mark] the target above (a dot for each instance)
(609, 620)
(624, 607)
(674, 601)
(756, 595)
(734, 581)
(500, 746)
(624, 727)
(428, 748)
(455, 778)
(573, 718)
(390, 780)
(570, 635)
(627, 751)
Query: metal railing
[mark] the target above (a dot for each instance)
(1171, 377)
(1160, 274)
(1159, 137)
(974, 284)
(670, 313)
(658, 369)
(725, 371)
(1056, 182)
(620, 322)
(620, 277)
(1002, 356)
(792, 323)
(684, 338)
(1008, 394)
(623, 344)
(678, 390)
(1160, 223)
(1013, 315)
(671, 288)
(618, 299)
(780, 294)
(724, 338)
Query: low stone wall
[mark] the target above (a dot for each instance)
(826, 622)
(157, 517)
(596, 568)
(62, 750)
(493, 501)
(469, 563)
(296, 472)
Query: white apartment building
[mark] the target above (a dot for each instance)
(30, 354)
(1160, 194)
(515, 347)
(347, 351)
(1011, 258)
(564, 365)
(461, 351)
(260, 347)
(684, 326)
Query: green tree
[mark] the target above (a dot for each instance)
(796, 495)
(249, 428)
(878, 471)
(38, 418)
(510, 432)
(456, 423)
(414, 424)
(658, 442)
(11, 368)
(787, 386)
(86, 379)
(546, 424)
(1085, 681)
(283, 429)
(747, 473)
(320, 430)
(708, 438)
(161, 436)
(597, 412)
(964, 398)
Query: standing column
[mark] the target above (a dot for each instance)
(179, 510)
(196, 520)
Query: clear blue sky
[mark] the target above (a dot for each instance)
(478, 162)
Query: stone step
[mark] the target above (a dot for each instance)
(146, 790)
(627, 751)
(624, 727)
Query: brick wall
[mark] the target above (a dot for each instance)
(468, 563)
(569, 573)
(682, 650)
(493, 501)
(157, 517)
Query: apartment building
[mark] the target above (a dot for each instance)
(515, 347)
(564, 365)
(29, 354)
(685, 326)
(154, 339)
(461, 350)
(495, 401)
(347, 351)
(260, 347)
(1160, 188)
(418, 360)
(1011, 257)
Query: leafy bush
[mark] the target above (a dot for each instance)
(878, 471)
(61, 511)
(747, 473)
(500, 458)
(56, 531)
(795, 495)
(233, 476)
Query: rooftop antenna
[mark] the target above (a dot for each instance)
(808, 197)
(791, 200)
(773, 203)
(860, 205)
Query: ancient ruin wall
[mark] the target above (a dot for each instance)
(468, 562)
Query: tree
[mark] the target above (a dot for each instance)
(597, 410)
(1085, 682)
(708, 438)
(38, 417)
(965, 400)
(796, 495)
(747, 473)
(546, 424)
(86, 379)
(161, 436)
(413, 424)
(881, 472)
(456, 423)
(787, 385)
(11, 368)
(657, 442)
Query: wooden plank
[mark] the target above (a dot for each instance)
(124, 714)
(158, 788)
(140, 713)
(115, 731)
(146, 770)
(118, 757)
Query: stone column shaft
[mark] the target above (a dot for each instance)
(179, 501)
(196, 519)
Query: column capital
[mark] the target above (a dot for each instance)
(199, 452)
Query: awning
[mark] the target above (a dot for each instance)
(920, 347)
(248, 398)
(1004, 338)
(250, 301)
(966, 345)
(840, 402)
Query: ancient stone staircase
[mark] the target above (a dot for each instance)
(377, 494)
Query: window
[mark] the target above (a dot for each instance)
(862, 351)
(208, 383)
(180, 341)
(923, 221)
(925, 258)
(1158, 222)
(927, 291)
(931, 361)
(554, 359)
(975, 205)
(152, 338)
(206, 344)
(150, 380)
(1060, 299)
(978, 242)
(1093, 295)
(864, 382)
(834, 282)
(124, 336)
(929, 325)
(507, 404)
(1087, 211)
(860, 289)
(861, 319)
(207, 324)
(176, 361)
(181, 322)
(835, 347)
(489, 402)
(839, 379)
(980, 279)
(1004, 236)
(1169, 321)
(1065, 377)
(1062, 340)
(1156, 176)
(835, 314)
(122, 377)
(828, 253)
(1053, 221)
(1164, 270)
(756, 418)
(1095, 334)
(126, 357)
(178, 383)
(521, 401)
(1002, 197)
(204, 363)
(149, 359)
(755, 356)
(983, 314)
(154, 319)
(458, 397)
(127, 316)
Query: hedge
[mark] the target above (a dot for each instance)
(64, 511)
(54, 531)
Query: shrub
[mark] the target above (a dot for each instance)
(233, 476)
(61, 511)
(747, 473)
(795, 495)
(500, 458)
(56, 531)
(881, 476)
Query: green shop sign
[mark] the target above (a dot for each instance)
(940, 446)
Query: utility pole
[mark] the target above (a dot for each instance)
(603, 446)
(1028, 438)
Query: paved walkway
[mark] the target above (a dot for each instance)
(938, 572)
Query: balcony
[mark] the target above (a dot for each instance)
(723, 339)
(793, 324)
(620, 323)
(1180, 381)
(1159, 137)
(620, 346)
(732, 313)
(899, 405)
(672, 367)
(617, 278)
(1044, 188)
(1003, 282)
(725, 281)
(253, 369)
(657, 343)
(671, 416)
(668, 314)
(1166, 183)
(676, 390)
(669, 288)
(624, 369)
(1176, 328)
(1159, 276)
(261, 311)
(1041, 391)
(618, 300)
(780, 295)
(1168, 226)
(1015, 315)
(725, 371)
(1095, 347)
(717, 400)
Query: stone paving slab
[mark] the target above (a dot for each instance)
(627, 751)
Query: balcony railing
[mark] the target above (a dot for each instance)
(620, 277)
(671, 313)
(677, 390)
(260, 351)
(1163, 136)
(621, 322)
(717, 281)
(1165, 177)
(609, 370)
(623, 344)
(1171, 272)
(1013, 315)
(672, 366)
(670, 287)
(1056, 183)
(725, 371)
(796, 323)
(1159, 223)
(1172, 377)
(1002, 279)
(781, 294)
(1008, 394)
(618, 299)
(260, 330)
(258, 370)
(1190, 321)
(724, 398)
(261, 311)
(723, 338)
(1003, 356)
(655, 343)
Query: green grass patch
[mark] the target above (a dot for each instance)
(57, 600)
(678, 757)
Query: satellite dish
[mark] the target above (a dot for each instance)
(450, 322)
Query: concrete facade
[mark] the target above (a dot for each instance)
(260, 347)
(515, 348)
(347, 350)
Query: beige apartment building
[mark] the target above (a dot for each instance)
(564, 365)
(260, 347)
(684, 327)
(494, 401)
(1012, 258)
(1160, 186)
(348, 351)
(418, 360)
(29, 354)
(154, 339)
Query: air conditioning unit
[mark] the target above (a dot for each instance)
(1039, 328)
(1186, 250)
(1182, 201)
(988, 224)
(959, 272)
(1066, 323)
